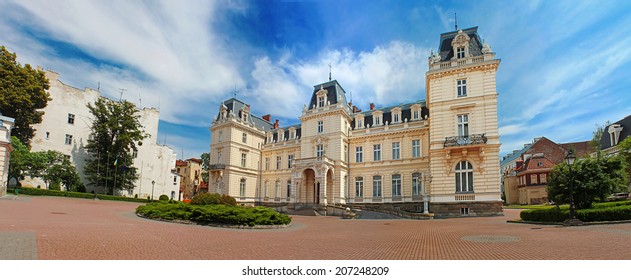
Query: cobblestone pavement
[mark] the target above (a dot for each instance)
(67, 228)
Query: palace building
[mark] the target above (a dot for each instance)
(439, 155)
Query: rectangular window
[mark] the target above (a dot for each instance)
(359, 157)
(359, 187)
(278, 162)
(543, 178)
(416, 115)
(244, 157)
(376, 155)
(47, 135)
(288, 188)
(376, 186)
(266, 164)
(71, 118)
(321, 101)
(416, 148)
(396, 118)
(345, 153)
(416, 184)
(320, 126)
(290, 159)
(277, 191)
(266, 190)
(396, 185)
(377, 120)
(220, 136)
(463, 125)
(242, 188)
(533, 179)
(68, 140)
(292, 134)
(396, 150)
(319, 150)
(219, 157)
(244, 139)
(360, 123)
(462, 88)
(460, 52)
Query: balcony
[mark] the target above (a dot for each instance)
(313, 160)
(218, 166)
(473, 139)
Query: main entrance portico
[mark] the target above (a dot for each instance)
(310, 179)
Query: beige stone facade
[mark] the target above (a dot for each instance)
(6, 124)
(436, 156)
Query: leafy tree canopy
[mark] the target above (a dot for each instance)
(116, 135)
(22, 93)
(205, 164)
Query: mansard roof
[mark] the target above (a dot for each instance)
(406, 113)
(236, 106)
(605, 141)
(285, 135)
(335, 93)
(446, 51)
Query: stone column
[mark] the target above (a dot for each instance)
(323, 186)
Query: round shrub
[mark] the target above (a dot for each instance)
(228, 200)
(164, 197)
(206, 199)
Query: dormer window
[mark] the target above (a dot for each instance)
(460, 52)
(292, 133)
(396, 115)
(320, 101)
(614, 134)
(360, 123)
(460, 45)
(378, 120)
(281, 135)
(415, 115)
(270, 137)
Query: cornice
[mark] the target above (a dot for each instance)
(486, 67)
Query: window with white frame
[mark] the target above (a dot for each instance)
(415, 115)
(397, 118)
(220, 136)
(376, 155)
(464, 177)
(360, 123)
(396, 150)
(242, 187)
(376, 186)
(460, 52)
(319, 150)
(266, 163)
(463, 125)
(277, 191)
(290, 159)
(359, 156)
(416, 148)
(462, 87)
(292, 134)
(359, 186)
(244, 138)
(288, 188)
(396, 185)
(377, 120)
(266, 189)
(416, 183)
(279, 160)
(68, 140)
(71, 118)
(244, 157)
(320, 126)
(320, 101)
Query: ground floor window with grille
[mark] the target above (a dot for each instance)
(359, 187)
(464, 177)
(396, 185)
(242, 187)
(416, 183)
(376, 186)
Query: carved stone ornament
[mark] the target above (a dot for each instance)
(434, 58)
(486, 48)
(461, 39)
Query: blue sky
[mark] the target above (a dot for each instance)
(565, 64)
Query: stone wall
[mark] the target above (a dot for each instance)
(476, 209)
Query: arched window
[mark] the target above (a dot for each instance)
(242, 187)
(464, 177)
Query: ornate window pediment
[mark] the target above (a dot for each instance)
(321, 97)
(460, 45)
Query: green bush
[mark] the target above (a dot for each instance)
(217, 213)
(610, 211)
(163, 197)
(213, 199)
(228, 200)
(44, 192)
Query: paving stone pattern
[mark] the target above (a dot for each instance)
(68, 228)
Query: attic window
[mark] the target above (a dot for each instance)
(539, 163)
(320, 101)
(460, 53)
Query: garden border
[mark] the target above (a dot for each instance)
(189, 222)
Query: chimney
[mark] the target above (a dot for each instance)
(267, 118)
(276, 125)
(372, 106)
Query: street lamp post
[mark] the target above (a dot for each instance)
(153, 184)
(570, 159)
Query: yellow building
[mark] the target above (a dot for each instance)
(440, 155)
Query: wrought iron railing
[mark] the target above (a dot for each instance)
(473, 139)
(218, 166)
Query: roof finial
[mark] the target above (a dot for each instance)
(456, 19)
(235, 91)
(329, 71)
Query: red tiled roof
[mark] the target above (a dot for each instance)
(580, 148)
(195, 160)
(535, 163)
(180, 163)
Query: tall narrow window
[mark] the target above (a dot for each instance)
(359, 186)
(278, 162)
(376, 186)
(543, 178)
(319, 150)
(220, 136)
(345, 153)
(463, 125)
(377, 120)
(360, 123)
(416, 115)
(288, 188)
(242, 187)
(290, 159)
(71, 118)
(396, 118)
(359, 156)
(266, 164)
(47, 135)
(462, 88)
(464, 177)
(320, 126)
(376, 155)
(266, 189)
(244, 138)
(218, 157)
(416, 148)
(416, 183)
(292, 134)
(460, 52)
(277, 190)
(320, 101)
(396, 185)
(243, 159)
(68, 140)
(396, 150)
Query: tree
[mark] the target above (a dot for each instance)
(22, 93)
(625, 152)
(116, 135)
(205, 164)
(592, 180)
(598, 135)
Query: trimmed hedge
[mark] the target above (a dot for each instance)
(212, 199)
(608, 212)
(218, 213)
(45, 192)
